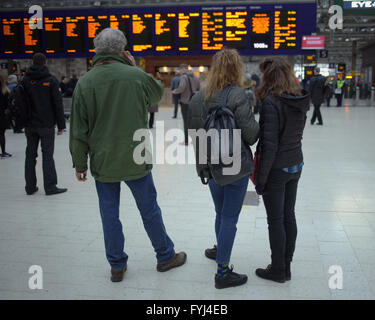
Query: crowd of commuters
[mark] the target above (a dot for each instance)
(113, 100)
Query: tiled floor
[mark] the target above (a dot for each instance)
(62, 234)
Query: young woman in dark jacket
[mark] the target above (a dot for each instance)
(226, 71)
(4, 116)
(282, 121)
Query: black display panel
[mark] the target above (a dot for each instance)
(189, 31)
(236, 29)
(165, 31)
(33, 41)
(142, 25)
(95, 24)
(261, 29)
(75, 34)
(11, 34)
(212, 30)
(285, 29)
(54, 34)
(121, 22)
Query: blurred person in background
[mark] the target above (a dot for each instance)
(175, 97)
(4, 116)
(316, 88)
(188, 86)
(15, 121)
(45, 112)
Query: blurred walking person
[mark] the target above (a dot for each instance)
(175, 97)
(317, 90)
(4, 116)
(188, 86)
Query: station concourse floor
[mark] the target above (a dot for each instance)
(63, 234)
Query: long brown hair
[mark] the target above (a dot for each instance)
(277, 78)
(3, 86)
(226, 69)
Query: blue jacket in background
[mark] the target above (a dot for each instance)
(175, 83)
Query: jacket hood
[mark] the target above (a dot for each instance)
(37, 72)
(300, 103)
(99, 57)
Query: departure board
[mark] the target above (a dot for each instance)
(32, 37)
(95, 24)
(75, 34)
(285, 29)
(121, 22)
(252, 29)
(260, 30)
(54, 34)
(165, 29)
(142, 32)
(12, 35)
(212, 30)
(188, 31)
(236, 29)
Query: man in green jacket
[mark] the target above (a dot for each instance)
(110, 103)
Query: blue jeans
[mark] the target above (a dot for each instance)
(144, 194)
(228, 202)
(176, 100)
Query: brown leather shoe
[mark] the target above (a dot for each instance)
(117, 275)
(178, 260)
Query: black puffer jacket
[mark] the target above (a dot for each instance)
(45, 98)
(238, 102)
(316, 89)
(282, 121)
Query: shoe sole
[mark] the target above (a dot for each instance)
(274, 280)
(52, 194)
(175, 266)
(217, 286)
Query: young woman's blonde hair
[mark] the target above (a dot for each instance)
(226, 69)
(3, 86)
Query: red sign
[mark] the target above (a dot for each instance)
(313, 42)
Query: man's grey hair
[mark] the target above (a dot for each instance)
(317, 69)
(12, 78)
(110, 41)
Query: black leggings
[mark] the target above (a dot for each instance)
(2, 140)
(279, 199)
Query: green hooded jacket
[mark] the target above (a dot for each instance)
(110, 103)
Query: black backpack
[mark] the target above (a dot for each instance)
(220, 147)
(20, 105)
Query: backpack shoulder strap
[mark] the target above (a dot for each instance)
(224, 96)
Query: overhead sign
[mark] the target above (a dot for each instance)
(323, 54)
(256, 29)
(357, 7)
(313, 42)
